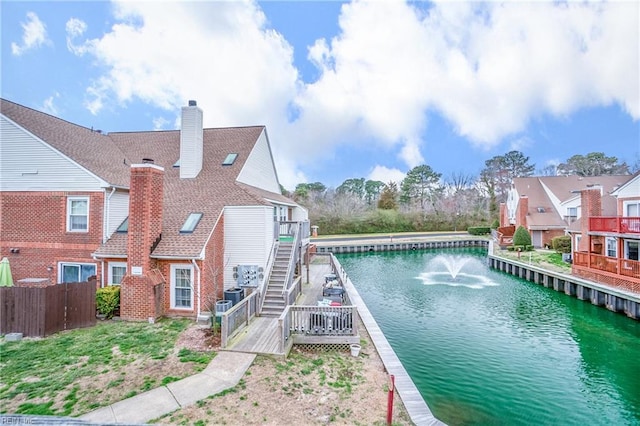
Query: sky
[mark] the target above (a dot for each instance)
(346, 89)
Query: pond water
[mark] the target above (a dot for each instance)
(487, 348)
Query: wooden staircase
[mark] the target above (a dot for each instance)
(274, 303)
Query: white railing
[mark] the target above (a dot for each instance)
(295, 252)
(238, 317)
(317, 321)
(267, 275)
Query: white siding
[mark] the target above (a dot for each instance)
(117, 210)
(259, 169)
(191, 137)
(631, 189)
(29, 164)
(248, 238)
(557, 204)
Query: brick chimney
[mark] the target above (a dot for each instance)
(590, 205)
(146, 190)
(521, 211)
(504, 217)
(191, 136)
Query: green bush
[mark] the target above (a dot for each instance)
(521, 237)
(478, 230)
(495, 224)
(107, 300)
(561, 244)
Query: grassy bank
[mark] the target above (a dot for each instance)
(77, 371)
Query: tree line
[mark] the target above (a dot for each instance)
(426, 201)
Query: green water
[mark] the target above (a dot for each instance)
(491, 349)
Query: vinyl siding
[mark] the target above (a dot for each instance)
(29, 164)
(118, 207)
(259, 169)
(249, 237)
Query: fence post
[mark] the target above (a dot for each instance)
(390, 399)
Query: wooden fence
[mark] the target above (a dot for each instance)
(41, 311)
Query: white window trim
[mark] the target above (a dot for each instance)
(115, 264)
(174, 268)
(69, 200)
(615, 244)
(626, 204)
(61, 266)
(625, 246)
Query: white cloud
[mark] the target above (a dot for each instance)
(386, 175)
(488, 68)
(48, 105)
(160, 123)
(76, 28)
(34, 35)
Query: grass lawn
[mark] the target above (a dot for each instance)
(543, 258)
(77, 371)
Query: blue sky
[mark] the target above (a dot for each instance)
(346, 89)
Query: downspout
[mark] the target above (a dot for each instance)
(102, 267)
(195, 264)
(106, 215)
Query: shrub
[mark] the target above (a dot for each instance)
(478, 230)
(495, 224)
(107, 300)
(521, 237)
(561, 244)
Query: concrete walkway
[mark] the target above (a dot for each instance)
(223, 372)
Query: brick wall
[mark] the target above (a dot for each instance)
(504, 215)
(591, 205)
(35, 223)
(521, 211)
(137, 299)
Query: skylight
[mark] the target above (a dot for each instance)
(229, 160)
(191, 223)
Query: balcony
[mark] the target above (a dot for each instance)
(615, 224)
(625, 267)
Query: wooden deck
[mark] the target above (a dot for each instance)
(262, 336)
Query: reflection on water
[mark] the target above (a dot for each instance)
(485, 347)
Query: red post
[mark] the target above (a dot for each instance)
(390, 399)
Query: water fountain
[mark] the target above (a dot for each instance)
(447, 269)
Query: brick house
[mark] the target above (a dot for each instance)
(606, 246)
(167, 215)
(548, 205)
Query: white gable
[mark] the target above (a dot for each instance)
(29, 164)
(259, 170)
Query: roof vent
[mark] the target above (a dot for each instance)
(147, 161)
(193, 103)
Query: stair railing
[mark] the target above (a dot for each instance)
(293, 256)
(267, 275)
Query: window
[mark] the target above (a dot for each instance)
(612, 247)
(117, 271)
(78, 214)
(124, 226)
(181, 286)
(191, 223)
(632, 209)
(631, 249)
(229, 159)
(572, 211)
(578, 238)
(76, 272)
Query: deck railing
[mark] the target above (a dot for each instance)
(233, 320)
(615, 224)
(626, 267)
(318, 321)
(294, 231)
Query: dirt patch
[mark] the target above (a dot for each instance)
(308, 387)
